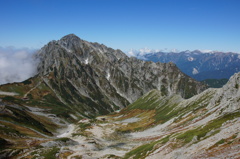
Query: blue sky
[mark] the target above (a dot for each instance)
(123, 24)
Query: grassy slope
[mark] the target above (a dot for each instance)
(152, 109)
(158, 109)
(19, 125)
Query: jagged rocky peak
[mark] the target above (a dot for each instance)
(70, 37)
(105, 76)
(74, 44)
(74, 47)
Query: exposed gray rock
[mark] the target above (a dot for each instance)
(99, 80)
(228, 96)
(59, 143)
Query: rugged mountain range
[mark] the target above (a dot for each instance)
(200, 65)
(53, 114)
(101, 80)
(91, 79)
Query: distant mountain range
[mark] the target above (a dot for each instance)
(215, 83)
(199, 65)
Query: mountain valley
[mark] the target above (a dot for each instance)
(91, 101)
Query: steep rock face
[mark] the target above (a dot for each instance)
(228, 98)
(101, 79)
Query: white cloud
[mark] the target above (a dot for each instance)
(141, 52)
(175, 50)
(207, 51)
(16, 65)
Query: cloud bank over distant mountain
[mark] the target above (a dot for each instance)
(16, 65)
(141, 52)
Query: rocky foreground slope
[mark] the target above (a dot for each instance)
(155, 126)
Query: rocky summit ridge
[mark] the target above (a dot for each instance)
(106, 77)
